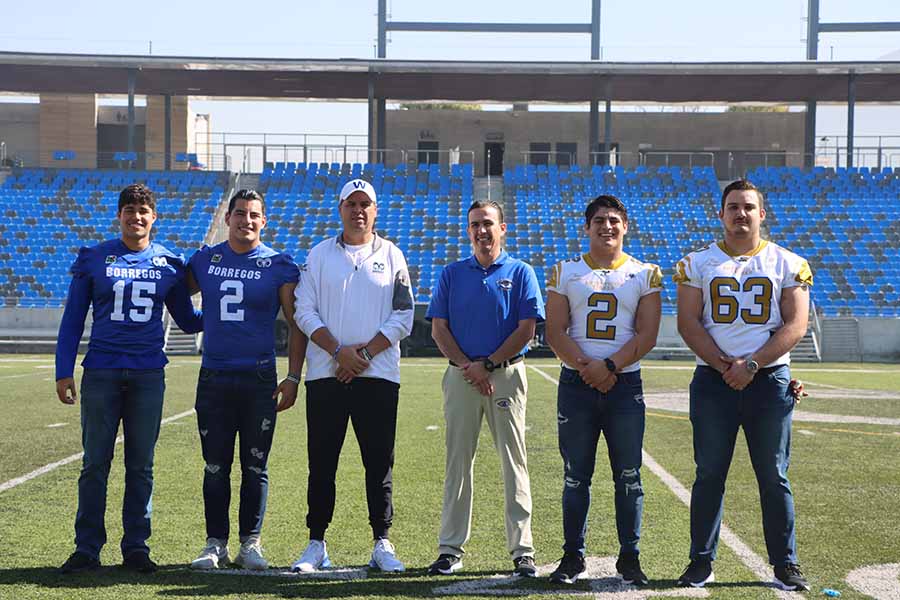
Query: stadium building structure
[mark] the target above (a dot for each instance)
(68, 131)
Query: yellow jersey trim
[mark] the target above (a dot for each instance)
(586, 257)
(724, 248)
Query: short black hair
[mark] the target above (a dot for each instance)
(486, 204)
(246, 195)
(604, 201)
(137, 193)
(741, 185)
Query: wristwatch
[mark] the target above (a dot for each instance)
(489, 365)
(364, 352)
(752, 366)
(610, 365)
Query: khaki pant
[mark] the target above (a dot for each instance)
(505, 412)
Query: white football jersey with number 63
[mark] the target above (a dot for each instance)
(742, 294)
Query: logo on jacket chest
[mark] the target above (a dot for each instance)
(378, 267)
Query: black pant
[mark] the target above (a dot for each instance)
(371, 405)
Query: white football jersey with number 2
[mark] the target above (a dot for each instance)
(603, 303)
(741, 294)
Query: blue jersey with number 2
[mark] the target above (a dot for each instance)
(240, 303)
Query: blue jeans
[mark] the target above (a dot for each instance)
(583, 413)
(231, 403)
(764, 409)
(135, 397)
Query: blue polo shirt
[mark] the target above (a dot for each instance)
(484, 305)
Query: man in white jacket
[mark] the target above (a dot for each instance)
(355, 303)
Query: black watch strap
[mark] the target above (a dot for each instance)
(489, 365)
(610, 365)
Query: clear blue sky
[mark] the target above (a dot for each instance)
(642, 30)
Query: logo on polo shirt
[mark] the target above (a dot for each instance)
(504, 403)
(505, 284)
(216, 258)
(262, 263)
(111, 259)
(304, 267)
(377, 267)
(159, 261)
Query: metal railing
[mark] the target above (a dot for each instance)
(2, 154)
(120, 160)
(545, 155)
(444, 157)
(700, 159)
(613, 158)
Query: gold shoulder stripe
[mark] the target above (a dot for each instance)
(656, 277)
(553, 276)
(804, 275)
(680, 275)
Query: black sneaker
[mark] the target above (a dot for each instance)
(697, 574)
(78, 562)
(445, 564)
(629, 568)
(524, 566)
(140, 562)
(571, 566)
(790, 578)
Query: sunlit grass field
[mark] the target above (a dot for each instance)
(845, 474)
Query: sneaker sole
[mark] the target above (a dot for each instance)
(565, 580)
(326, 564)
(787, 588)
(241, 564)
(699, 584)
(80, 570)
(208, 565)
(453, 568)
(374, 565)
(525, 574)
(635, 582)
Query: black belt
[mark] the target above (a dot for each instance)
(506, 363)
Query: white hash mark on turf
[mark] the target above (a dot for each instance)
(877, 581)
(7, 485)
(805, 432)
(54, 425)
(350, 573)
(431, 428)
(745, 554)
(600, 577)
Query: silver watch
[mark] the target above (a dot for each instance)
(752, 365)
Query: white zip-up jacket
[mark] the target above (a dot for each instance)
(355, 302)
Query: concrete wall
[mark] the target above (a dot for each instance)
(155, 143)
(68, 122)
(879, 341)
(19, 129)
(649, 132)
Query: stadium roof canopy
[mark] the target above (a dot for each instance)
(349, 79)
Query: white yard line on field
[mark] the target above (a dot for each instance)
(6, 485)
(757, 565)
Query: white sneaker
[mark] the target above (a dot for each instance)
(384, 557)
(315, 557)
(250, 556)
(213, 556)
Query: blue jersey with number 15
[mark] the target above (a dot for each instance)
(127, 290)
(240, 303)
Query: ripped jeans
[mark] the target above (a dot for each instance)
(231, 403)
(583, 413)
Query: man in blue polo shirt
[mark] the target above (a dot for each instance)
(483, 316)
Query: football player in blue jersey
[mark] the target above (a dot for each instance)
(127, 281)
(243, 283)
